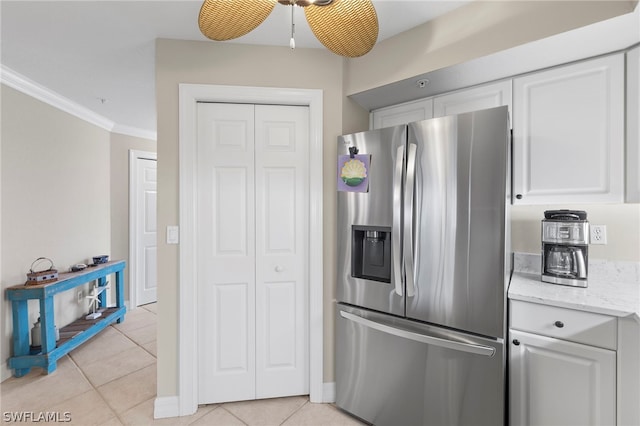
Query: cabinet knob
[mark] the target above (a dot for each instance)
(559, 324)
(519, 196)
(516, 342)
(279, 268)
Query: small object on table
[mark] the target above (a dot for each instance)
(97, 260)
(94, 297)
(78, 267)
(42, 276)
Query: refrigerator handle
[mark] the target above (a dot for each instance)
(396, 237)
(422, 338)
(409, 261)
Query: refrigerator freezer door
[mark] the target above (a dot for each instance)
(380, 208)
(460, 242)
(391, 371)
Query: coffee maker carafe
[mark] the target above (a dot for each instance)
(565, 246)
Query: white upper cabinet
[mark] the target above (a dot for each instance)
(568, 134)
(408, 112)
(480, 97)
(633, 125)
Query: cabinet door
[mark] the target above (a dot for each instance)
(568, 134)
(402, 113)
(633, 125)
(481, 97)
(555, 382)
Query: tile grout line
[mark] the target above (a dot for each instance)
(96, 391)
(124, 334)
(136, 343)
(294, 412)
(221, 406)
(95, 388)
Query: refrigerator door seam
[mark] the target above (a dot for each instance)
(396, 248)
(436, 341)
(408, 221)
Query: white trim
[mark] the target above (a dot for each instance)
(189, 96)
(29, 87)
(133, 214)
(165, 406)
(35, 90)
(135, 132)
(329, 392)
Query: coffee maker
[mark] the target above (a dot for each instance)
(565, 245)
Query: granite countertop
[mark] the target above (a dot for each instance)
(612, 289)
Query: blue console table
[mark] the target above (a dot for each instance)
(72, 335)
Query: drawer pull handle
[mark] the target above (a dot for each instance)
(516, 342)
(559, 324)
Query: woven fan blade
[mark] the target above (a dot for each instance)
(226, 19)
(346, 27)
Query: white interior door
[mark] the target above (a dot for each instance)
(144, 247)
(251, 220)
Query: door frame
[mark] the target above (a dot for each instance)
(189, 96)
(134, 155)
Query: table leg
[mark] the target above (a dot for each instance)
(20, 313)
(47, 318)
(120, 291)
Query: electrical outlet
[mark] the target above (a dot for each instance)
(79, 296)
(598, 234)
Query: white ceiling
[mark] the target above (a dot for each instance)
(100, 54)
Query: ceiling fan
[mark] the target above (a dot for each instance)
(346, 27)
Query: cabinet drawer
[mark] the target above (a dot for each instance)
(568, 324)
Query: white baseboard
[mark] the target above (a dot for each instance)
(169, 406)
(329, 392)
(166, 406)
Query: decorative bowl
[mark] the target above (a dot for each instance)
(100, 259)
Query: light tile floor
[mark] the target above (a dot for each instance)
(111, 380)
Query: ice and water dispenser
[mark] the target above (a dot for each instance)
(371, 253)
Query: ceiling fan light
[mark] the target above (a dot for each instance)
(346, 27)
(228, 19)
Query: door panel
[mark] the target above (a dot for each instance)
(226, 254)
(230, 222)
(280, 325)
(374, 208)
(281, 239)
(279, 210)
(460, 197)
(146, 280)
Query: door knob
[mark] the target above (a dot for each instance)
(279, 268)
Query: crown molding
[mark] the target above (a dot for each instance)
(29, 87)
(135, 132)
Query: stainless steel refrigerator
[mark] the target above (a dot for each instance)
(423, 267)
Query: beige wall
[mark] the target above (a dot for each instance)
(622, 221)
(55, 198)
(120, 146)
(448, 41)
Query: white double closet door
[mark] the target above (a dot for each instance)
(252, 246)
